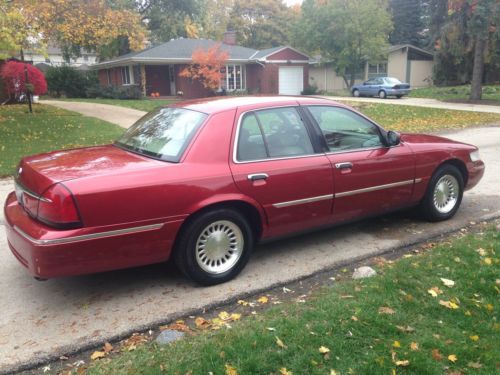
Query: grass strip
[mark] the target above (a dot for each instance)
(47, 129)
(146, 105)
(404, 320)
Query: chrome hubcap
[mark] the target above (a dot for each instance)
(446, 194)
(219, 247)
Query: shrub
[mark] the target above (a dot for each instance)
(14, 77)
(65, 80)
(112, 92)
(310, 90)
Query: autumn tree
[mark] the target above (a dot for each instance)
(345, 33)
(72, 24)
(14, 75)
(206, 66)
(261, 24)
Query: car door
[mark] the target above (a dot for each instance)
(275, 163)
(365, 89)
(369, 178)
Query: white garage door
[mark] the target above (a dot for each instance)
(291, 80)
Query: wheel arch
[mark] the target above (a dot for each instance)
(460, 165)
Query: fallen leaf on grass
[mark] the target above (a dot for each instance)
(271, 329)
(481, 251)
(333, 372)
(474, 337)
(452, 358)
(263, 300)
(284, 371)
(402, 363)
(324, 350)
(107, 347)
(435, 291)
(474, 365)
(407, 329)
(280, 343)
(396, 344)
(414, 346)
(223, 315)
(447, 282)
(437, 355)
(448, 304)
(488, 261)
(386, 310)
(230, 370)
(97, 355)
(355, 318)
(176, 327)
(201, 323)
(243, 303)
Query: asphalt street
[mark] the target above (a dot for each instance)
(41, 320)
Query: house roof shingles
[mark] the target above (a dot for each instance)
(182, 49)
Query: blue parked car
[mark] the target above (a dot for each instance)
(381, 87)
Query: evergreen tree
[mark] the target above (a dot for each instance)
(408, 23)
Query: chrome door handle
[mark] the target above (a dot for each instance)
(343, 165)
(257, 176)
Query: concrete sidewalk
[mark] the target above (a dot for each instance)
(422, 102)
(118, 115)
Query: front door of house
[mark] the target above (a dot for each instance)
(157, 80)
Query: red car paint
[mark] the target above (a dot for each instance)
(132, 207)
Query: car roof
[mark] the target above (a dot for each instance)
(221, 104)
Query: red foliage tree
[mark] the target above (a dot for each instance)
(14, 77)
(206, 66)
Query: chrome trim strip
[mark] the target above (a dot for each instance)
(417, 180)
(83, 237)
(303, 201)
(374, 188)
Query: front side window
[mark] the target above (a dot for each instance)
(162, 134)
(345, 130)
(273, 133)
(125, 75)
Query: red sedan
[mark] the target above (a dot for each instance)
(201, 182)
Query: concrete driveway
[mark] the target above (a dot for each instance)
(41, 320)
(118, 115)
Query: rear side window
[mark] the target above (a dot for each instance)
(273, 133)
(345, 130)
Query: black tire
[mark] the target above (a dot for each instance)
(399, 96)
(382, 94)
(196, 234)
(356, 93)
(450, 178)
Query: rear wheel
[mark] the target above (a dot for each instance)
(214, 247)
(355, 93)
(382, 94)
(444, 194)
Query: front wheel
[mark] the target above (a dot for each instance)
(444, 194)
(214, 247)
(355, 93)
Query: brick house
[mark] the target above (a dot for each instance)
(279, 70)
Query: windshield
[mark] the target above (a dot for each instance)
(162, 134)
(392, 81)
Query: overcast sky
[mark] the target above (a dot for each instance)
(292, 2)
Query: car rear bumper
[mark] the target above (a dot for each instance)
(49, 253)
(395, 92)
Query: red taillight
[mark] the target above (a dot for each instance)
(57, 208)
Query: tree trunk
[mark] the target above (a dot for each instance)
(351, 82)
(476, 89)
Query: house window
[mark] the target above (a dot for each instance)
(108, 75)
(233, 77)
(377, 70)
(125, 75)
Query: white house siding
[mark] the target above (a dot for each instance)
(421, 73)
(325, 79)
(396, 64)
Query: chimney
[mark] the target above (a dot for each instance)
(229, 37)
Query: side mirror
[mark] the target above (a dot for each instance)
(393, 138)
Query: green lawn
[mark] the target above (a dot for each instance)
(48, 128)
(146, 105)
(404, 320)
(491, 92)
(420, 119)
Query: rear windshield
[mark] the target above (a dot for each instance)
(162, 134)
(392, 81)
